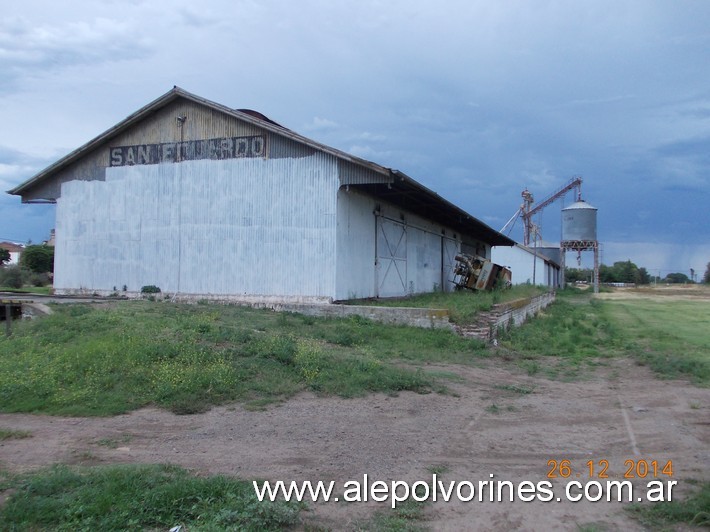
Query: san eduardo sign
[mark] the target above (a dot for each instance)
(191, 150)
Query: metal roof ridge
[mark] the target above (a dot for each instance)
(178, 92)
(171, 95)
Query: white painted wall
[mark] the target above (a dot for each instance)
(524, 266)
(355, 268)
(239, 227)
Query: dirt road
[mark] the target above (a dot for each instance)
(490, 425)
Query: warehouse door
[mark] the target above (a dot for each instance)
(449, 250)
(391, 268)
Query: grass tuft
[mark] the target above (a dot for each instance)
(11, 434)
(694, 510)
(138, 497)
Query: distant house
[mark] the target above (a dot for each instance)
(206, 200)
(50, 242)
(15, 251)
(528, 265)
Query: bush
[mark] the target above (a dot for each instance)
(38, 259)
(12, 276)
(150, 289)
(39, 279)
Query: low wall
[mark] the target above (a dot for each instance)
(414, 317)
(504, 315)
(486, 327)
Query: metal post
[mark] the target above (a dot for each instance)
(534, 257)
(8, 319)
(563, 269)
(596, 267)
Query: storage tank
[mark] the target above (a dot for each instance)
(579, 222)
(549, 250)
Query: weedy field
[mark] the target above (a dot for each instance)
(118, 357)
(113, 358)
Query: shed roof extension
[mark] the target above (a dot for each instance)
(396, 187)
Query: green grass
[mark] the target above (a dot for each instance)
(671, 336)
(694, 509)
(577, 331)
(85, 360)
(44, 290)
(572, 334)
(137, 497)
(523, 390)
(408, 516)
(462, 305)
(11, 434)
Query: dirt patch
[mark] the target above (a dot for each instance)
(499, 422)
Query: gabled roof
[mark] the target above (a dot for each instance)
(398, 187)
(246, 115)
(12, 247)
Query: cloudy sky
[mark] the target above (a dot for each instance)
(476, 99)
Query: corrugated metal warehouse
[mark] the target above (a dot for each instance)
(201, 199)
(530, 265)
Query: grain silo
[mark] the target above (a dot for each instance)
(579, 222)
(579, 232)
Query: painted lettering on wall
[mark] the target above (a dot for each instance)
(173, 152)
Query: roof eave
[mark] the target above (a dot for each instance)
(495, 237)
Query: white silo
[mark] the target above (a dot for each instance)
(579, 222)
(579, 233)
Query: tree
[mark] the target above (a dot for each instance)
(642, 276)
(706, 277)
(4, 256)
(606, 274)
(38, 259)
(678, 278)
(572, 275)
(625, 272)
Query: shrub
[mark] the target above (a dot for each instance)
(38, 259)
(39, 279)
(150, 289)
(12, 276)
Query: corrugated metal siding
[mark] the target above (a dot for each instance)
(525, 266)
(238, 227)
(88, 169)
(352, 174)
(201, 123)
(281, 147)
(423, 259)
(355, 274)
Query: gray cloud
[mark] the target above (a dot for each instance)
(28, 49)
(476, 100)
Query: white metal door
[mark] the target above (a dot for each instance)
(391, 268)
(449, 250)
